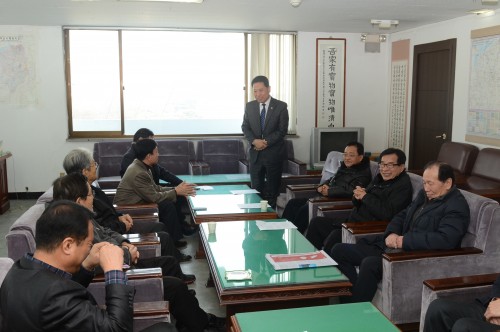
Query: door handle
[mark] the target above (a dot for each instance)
(442, 136)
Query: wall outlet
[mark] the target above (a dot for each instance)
(61, 174)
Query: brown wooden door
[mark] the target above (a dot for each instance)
(432, 100)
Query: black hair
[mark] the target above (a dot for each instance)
(143, 133)
(399, 153)
(62, 219)
(70, 187)
(359, 147)
(445, 171)
(144, 147)
(261, 79)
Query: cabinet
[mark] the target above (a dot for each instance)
(4, 189)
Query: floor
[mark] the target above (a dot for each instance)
(206, 296)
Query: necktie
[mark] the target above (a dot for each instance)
(263, 116)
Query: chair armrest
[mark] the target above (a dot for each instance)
(302, 187)
(420, 254)
(365, 227)
(198, 167)
(154, 272)
(155, 308)
(137, 209)
(243, 166)
(330, 200)
(461, 282)
(296, 167)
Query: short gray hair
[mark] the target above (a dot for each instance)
(77, 160)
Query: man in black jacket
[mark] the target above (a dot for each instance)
(481, 315)
(354, 171)
(389, 192)
(46, 291)
(159, 173)
(437, 219)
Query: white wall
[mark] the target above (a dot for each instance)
(37, 135)
(460, 29)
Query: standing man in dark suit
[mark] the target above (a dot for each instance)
(265, 125)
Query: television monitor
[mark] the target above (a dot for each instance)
(324, 140)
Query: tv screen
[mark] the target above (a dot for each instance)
(325, 140)
(335, 141)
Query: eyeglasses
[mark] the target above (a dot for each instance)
(388, 166)
(96, 165)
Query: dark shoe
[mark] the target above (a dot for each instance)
(181, 244)
(215, 323)
(189, 230)
(188, 278)
(184, 258)
(192, 292)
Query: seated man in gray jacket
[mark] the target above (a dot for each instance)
(437, 219)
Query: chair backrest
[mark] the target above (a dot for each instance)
(5, 264)
(487, 165)
(21, 235)
(460, 156)
(175, 155)
(331, 165)
(222, 155)
(482, 214)
(374, 168)
(416, 184)
(109, 156)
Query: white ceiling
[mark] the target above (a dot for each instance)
(260, 15)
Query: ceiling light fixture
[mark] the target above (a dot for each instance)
(295, 3)
(385, 24)
(489, 2)
(181, 1)
(483, 12)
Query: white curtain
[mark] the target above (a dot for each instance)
(273, 55)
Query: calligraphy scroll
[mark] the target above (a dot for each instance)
(330, 82)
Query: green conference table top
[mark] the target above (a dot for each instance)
(220, 204)
(352, 317)
(216, 178)
(240, 245)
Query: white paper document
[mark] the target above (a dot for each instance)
(274, 225)
(300, 261)
(204, 188)
(245, 191)
(250, 206)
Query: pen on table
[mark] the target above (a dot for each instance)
(307, 265)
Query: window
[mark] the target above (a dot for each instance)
(173, 82)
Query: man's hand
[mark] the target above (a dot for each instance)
(111, 257)
(259, 144)
(391, 241)
(127, 220)
(323, 190)
(186, 189)
(492, 313)
(92, 259)
(359, 192)
(134, 253)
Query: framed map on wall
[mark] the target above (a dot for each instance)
(483, 117)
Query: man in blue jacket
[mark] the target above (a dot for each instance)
(437, 219)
